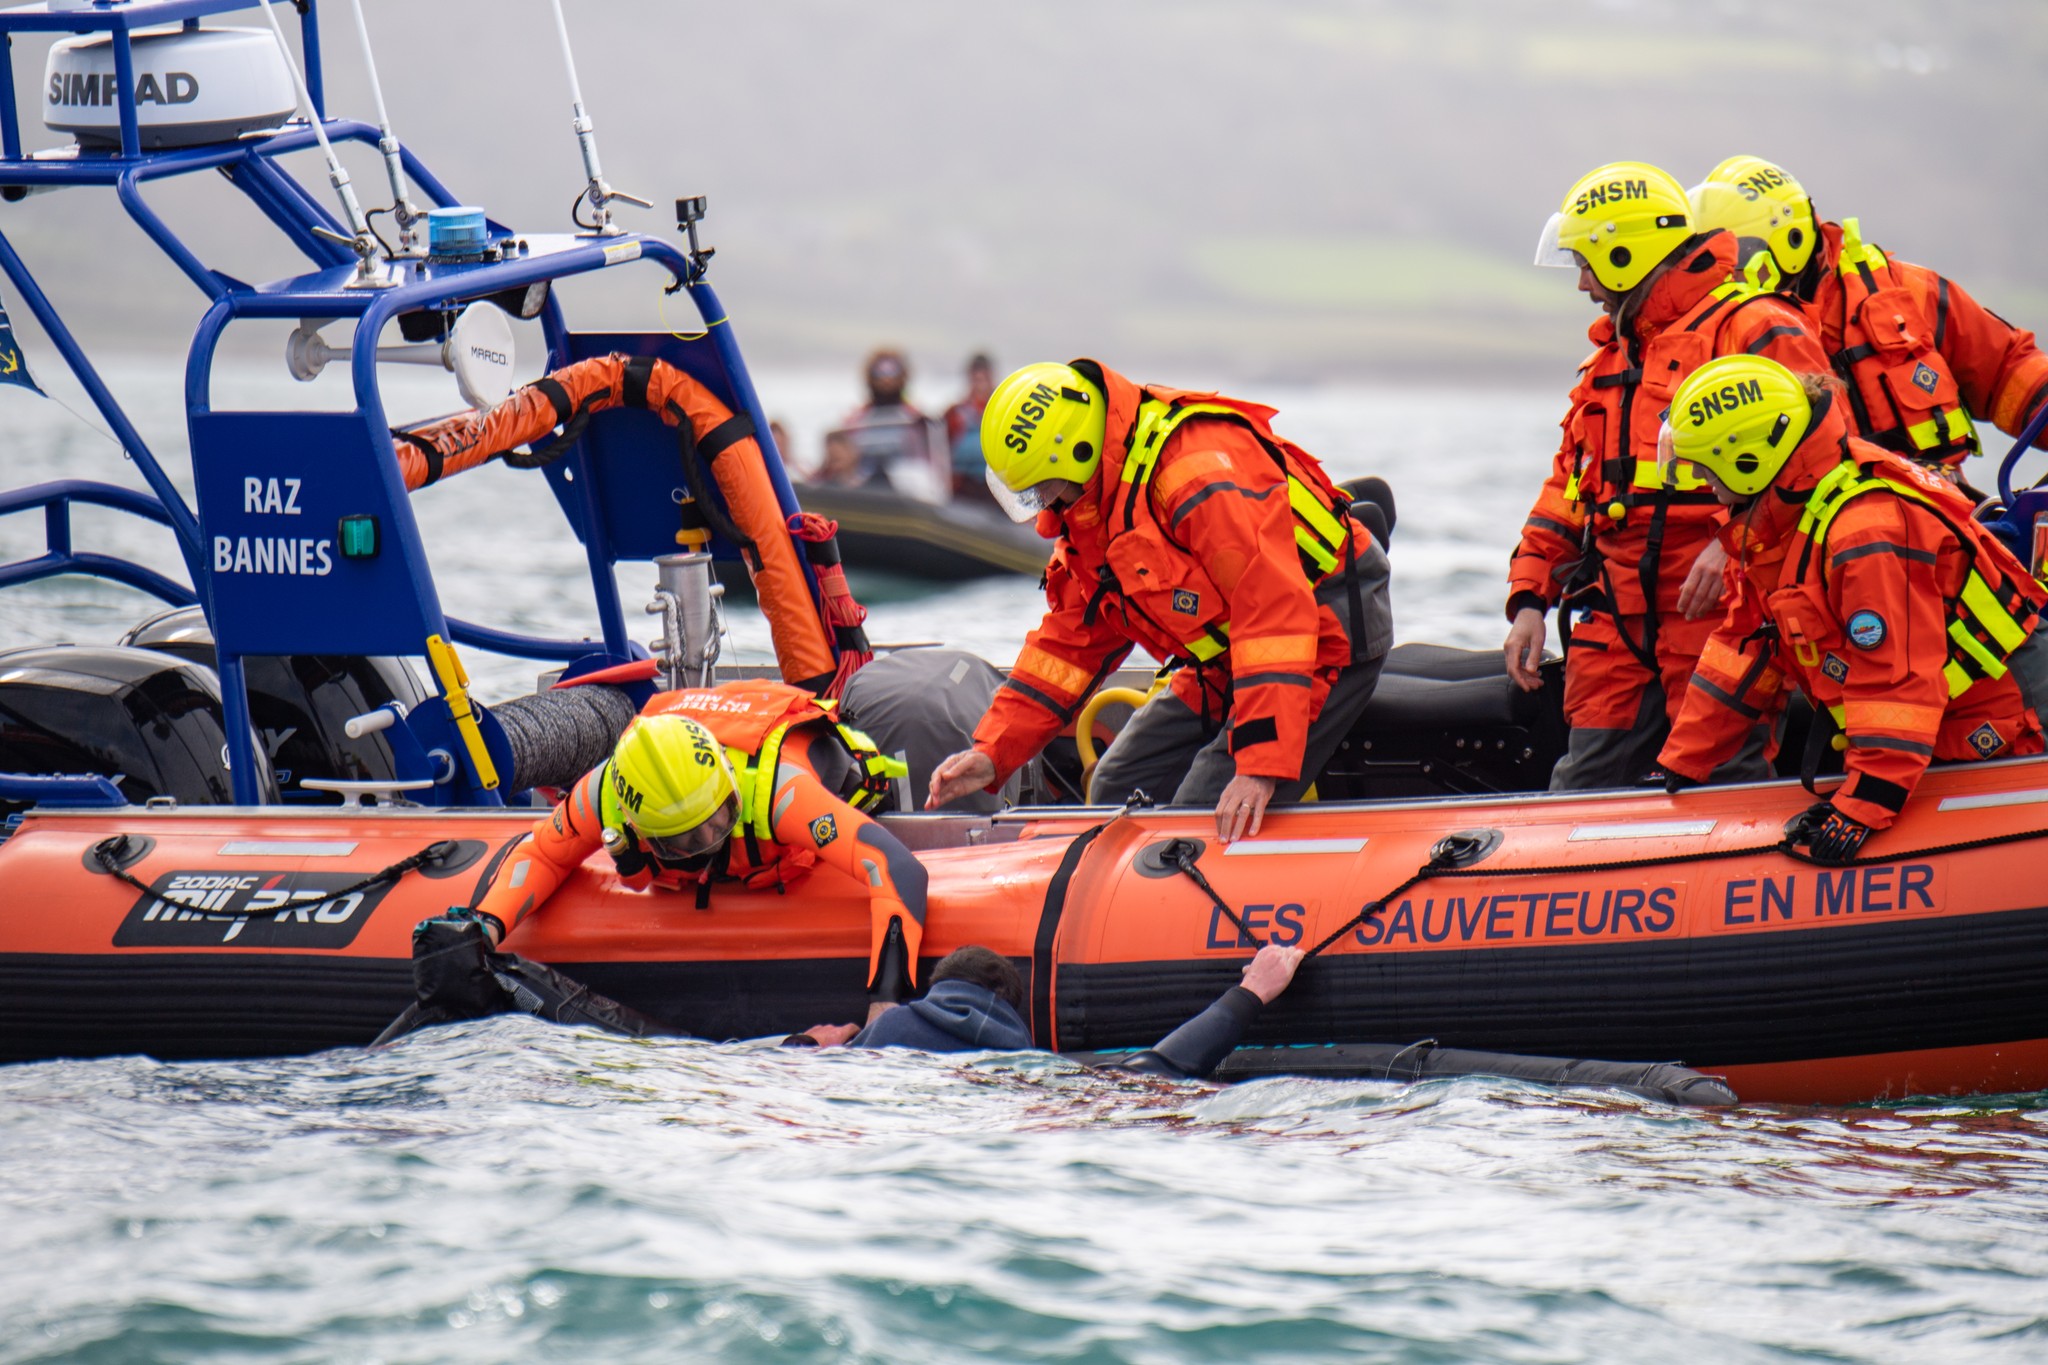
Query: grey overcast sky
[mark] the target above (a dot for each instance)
(1313, 189)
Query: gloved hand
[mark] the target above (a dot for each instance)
(1830, 836)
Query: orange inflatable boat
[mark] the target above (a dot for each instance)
(1622, 926)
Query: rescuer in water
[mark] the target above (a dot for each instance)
(749, 781)
(976, 1003)
(1862, 578)
(1610, 539)
(1185, 525)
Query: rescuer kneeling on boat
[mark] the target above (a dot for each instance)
(1183, 524)
(750, 781)
(1610, 542)
(1862, 577)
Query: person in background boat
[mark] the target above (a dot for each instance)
(963, 431)
(1862, 578)
(976, 1004)
(887, 442)
(1185, 525)
(749, 781)
(1610, 542)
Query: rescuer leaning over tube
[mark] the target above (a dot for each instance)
(1862, 578)
(1185, 525)
(1610, 539)
(748, 781)
(1917, 355)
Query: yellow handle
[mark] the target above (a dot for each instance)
(454, 682)
(1084, 724)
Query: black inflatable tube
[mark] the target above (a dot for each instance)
(1663, 1081)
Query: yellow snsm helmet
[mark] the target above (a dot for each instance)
(1762, 205)
(1621, 220)
(1044, 422)
(670, 781)
(1739, 419)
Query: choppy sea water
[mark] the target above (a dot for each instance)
(512, 1191)
(507, 1191)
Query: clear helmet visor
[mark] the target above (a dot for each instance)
(1020, 505)
(1667, 454)
(698, 840)
(1549, 251)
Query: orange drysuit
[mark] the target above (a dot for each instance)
(1606, 531)
(1206, 557)
(1919, 355)
(796, 819)
(1866, 612)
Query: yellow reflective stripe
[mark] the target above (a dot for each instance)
(743, 781)
(1950, 428)
(1891, 715)
(1317, 552)
(1841, 716)
(1055, 672)
(1650, 476)
(764, 782)
(1571, 487)
(1958, 678)
(1855, 251)
(1984, 606)
(1155, 422)
(1205, 647)
(1991, 664)
(1246, 655)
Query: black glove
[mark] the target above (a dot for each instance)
(1676, 782)
(1830, 836)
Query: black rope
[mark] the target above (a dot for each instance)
(1182, 853)
(105, 853)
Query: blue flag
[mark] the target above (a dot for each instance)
(14, 365)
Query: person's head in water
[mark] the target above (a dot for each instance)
(986, 968)
(888, 375)
(669, 784)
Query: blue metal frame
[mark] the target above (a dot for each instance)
(57, 499)
(219, 463)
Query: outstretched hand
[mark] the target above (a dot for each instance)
(1272, 971)
(964, 773)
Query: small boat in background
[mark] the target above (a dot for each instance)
(881, 529)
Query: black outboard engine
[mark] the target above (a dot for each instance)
(149, 721)
(299, 703)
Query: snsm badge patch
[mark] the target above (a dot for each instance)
(1866, 630)
(824, 830)
(1187, 601)
(1924, 377)
(1985, 740)
(1834, 666)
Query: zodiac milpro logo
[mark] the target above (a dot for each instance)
(229, 909)
(1727, 398)
(1030, 413)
